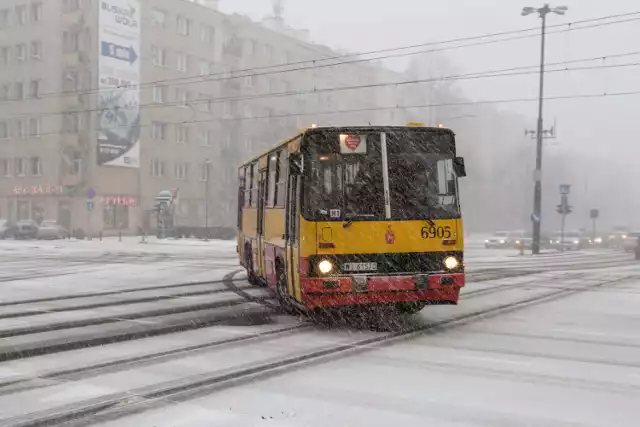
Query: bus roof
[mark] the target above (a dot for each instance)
(311, 130)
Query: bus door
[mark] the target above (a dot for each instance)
(260, 226)
(293, 236)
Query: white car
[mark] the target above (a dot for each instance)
(630, 241)
(500, 239)
(51, 230)
(570, 241)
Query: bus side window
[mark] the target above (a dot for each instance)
(254, 185)
(241, 181)
(283, 174)
(271, 192)
(247, 186)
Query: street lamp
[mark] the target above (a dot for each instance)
(537, 197)
(207, 164)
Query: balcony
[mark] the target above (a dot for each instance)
(74, 59)
(75, 102)
(73, 18)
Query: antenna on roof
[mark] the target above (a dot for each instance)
(278, 10)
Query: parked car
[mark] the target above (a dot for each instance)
(6, 229)
(51, 230)
(26, 229)
(631, 241)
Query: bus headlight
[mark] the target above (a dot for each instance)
(325, 267)
(451, 263)
(598, 240)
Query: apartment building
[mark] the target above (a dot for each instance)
(114, 101)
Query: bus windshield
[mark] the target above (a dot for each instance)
(344, 176)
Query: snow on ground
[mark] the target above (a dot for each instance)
(571, 362)
(36, 269)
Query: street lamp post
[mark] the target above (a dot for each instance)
(207, 164)
(537, 196)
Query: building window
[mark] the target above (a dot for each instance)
(70, 123)
(71, 82)
(71, 5)
(181, 170)
(36, 12)
(18, 90)
(159, 18)
(36, 50)
(76, 165)
(20, 167)
(206, 137)
(4, 18)
(182, 96)
(70, 41)
(157, 168)
(182, 62)
(268, 51)
(205, 172)
(34, 89)
(182, 134)
(159, 131)
(5, 55)
(20, 129)
(34, 127)
(5, 168)
(183, 25)
(21, 15)
(205, 102)
(159, 56)
(205, 68)
(35, 166)
(116, 217)
(5, 91)
(159, 94)
(4, 129)
(21, 52)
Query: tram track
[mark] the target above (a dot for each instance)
(117, 405)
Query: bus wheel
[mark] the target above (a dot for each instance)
(281, 288)
(410, 307)
(251, 276)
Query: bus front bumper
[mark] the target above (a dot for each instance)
(370, 290)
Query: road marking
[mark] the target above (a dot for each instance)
(494, 360)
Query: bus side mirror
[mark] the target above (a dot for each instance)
(458, 167)
(295, 163)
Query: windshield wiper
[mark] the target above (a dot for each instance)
(349, 218)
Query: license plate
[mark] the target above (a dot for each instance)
(360, 266)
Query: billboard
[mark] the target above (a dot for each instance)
(119, 83)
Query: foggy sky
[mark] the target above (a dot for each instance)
(600, 133)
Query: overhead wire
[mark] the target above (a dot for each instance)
(370, 109)
(504, 72)
(220, 76)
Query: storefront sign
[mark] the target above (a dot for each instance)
(120, 200)
(35, 190)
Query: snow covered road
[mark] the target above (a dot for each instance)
(170, 334)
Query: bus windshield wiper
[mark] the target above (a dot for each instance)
(349, 218)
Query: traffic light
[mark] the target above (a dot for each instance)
(564, 209)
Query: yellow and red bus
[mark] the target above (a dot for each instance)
(349, 216)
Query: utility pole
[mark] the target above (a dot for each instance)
(537, 192)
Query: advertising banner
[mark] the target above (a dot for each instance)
(119, 83)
